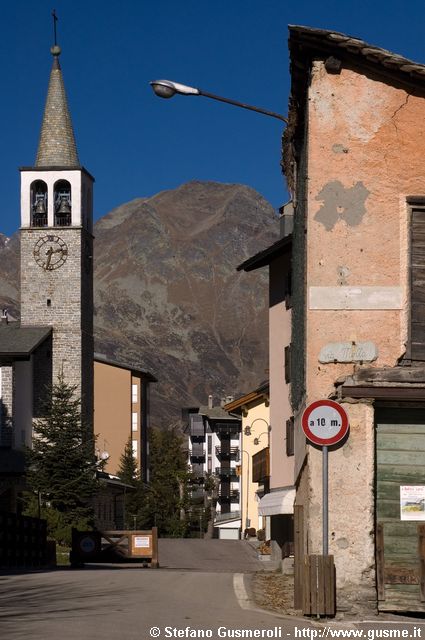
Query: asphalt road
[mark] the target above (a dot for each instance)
(194, 587)
(199, 587)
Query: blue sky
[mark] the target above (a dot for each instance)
(136, 144)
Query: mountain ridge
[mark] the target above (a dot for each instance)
(167, 293)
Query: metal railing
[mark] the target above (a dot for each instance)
(227, 452)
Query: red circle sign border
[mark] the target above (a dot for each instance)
(325, 442)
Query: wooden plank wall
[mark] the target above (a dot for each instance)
(400, 456)
(23, 541)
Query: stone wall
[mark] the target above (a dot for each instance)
(361, 133)
(63, 298)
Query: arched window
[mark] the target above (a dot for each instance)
(62, 203)
(39, 204)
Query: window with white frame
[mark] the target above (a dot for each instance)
(134, 421)
(135, 447)
(134, 393)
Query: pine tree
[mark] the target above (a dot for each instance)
(61, 463)
(166, 495)
(129, 474)
(127, 471)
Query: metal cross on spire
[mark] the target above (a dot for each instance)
(55, 19)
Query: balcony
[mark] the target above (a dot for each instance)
(226, 472)
(228, 495)
(197, 473)
(198, 452)
(196, 427)
(261, 465)
(227, 429)
(227, 453)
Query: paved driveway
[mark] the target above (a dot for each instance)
(235, 556)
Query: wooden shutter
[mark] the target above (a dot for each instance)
(417, 285)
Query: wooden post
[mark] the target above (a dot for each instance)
(380, 561)
(154, 561)
(319, 586)
(298, 555)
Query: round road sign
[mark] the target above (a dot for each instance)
(325, 422)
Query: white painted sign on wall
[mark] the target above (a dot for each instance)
(348, 352)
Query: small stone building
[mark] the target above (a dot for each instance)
(353, 159)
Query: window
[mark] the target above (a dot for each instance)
(288, 289)
(134, 393)
(134, 420)
(62, 203)
(209, 463)
(416, 347)
(39, 204)
(288, 364)
(290, 437)
(134, 445)
(209, 445)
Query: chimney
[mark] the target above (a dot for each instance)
(210, 402)
(4, 319)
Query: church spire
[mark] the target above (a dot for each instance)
(57, 146)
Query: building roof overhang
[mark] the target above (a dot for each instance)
(337, 50)
(104, 359)
(253, 397)
(18, 343)
(400, 383)
(263, 258)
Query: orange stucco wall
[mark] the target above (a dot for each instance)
(365, 151)
(281, 466)
(112, 411)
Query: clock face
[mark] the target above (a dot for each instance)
(50, 252)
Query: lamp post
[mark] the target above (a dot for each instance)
(247, 520)
(167, 89)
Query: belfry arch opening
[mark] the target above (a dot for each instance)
(62, 203)
(39, 204)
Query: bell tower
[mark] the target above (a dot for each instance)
(57, 246)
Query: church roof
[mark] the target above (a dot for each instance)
(57, 146)
(17, 343)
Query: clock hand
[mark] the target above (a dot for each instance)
(49, 253)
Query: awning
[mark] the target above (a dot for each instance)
(277, 502)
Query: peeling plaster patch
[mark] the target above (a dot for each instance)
(341, 203)
(343, 273)
(361, 105)
(339, 148)
(342, 543)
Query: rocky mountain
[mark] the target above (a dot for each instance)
(167, 295)
(9, 274)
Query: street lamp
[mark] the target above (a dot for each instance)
(167, 89)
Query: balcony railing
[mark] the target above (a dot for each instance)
(261, 465)
(39, 220)
(197, 473)
(197, 452)
(197, 427)
(226, 472)
(227, 428)
(228, 515)
(227, 453)
(228, 494)
(62, 219)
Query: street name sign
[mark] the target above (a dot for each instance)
(325, 422)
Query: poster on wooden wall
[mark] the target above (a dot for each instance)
(412, 502)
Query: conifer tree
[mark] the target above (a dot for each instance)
(61, 463)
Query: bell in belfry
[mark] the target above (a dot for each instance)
(40, 204)
(64, 206)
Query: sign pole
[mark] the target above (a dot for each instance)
(325, 500)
